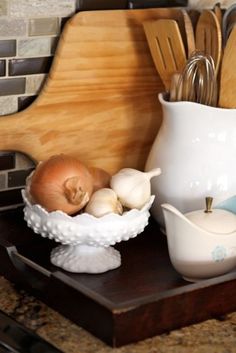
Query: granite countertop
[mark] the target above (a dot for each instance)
(210, 336)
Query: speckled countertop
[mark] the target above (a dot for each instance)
(212, 336)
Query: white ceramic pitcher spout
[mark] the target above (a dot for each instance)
(194, 252)
(196, 151)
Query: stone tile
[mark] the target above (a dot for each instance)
(12, 27)
(63, 22)
(8, 105)
(12, 86)
(34, 47)
(23, 161)
(3, 7)
(41, 8)
(3, 179)
(29, 66)
(54, 43)
(202, 4)
(2, 67)
(25, 101)
(142, 4)
(7, 160)
(17, 177)
(44, 26)
(7, 48)
(101, 4)
(10, 197)
(34, 83)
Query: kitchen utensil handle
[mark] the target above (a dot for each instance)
(30, 272)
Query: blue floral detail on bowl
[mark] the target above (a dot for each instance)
(219, 253)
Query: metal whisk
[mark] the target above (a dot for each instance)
(197, 83)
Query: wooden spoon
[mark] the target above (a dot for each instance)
(208, 36)
(189, 33)
(166, 46)
(227, 98)
(218, 12)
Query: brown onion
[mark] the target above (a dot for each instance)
(101, 179)
(61, 183)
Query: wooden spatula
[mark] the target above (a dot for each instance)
(166, 46)
(227, 98)
(208, 36)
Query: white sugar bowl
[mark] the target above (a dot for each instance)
(202, 243)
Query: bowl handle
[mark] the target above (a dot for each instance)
(31, 274)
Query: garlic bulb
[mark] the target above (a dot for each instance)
(102, 202)
(133, 187)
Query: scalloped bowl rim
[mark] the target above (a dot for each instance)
(86, 216)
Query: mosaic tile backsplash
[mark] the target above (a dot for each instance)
(14, 168)
(29, 33)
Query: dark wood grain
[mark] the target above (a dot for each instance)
(142, 298)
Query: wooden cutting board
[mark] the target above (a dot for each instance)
(100, 100)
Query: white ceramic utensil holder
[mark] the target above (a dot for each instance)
(196, 151)
(86, 240)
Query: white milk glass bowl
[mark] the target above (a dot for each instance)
(86, 241)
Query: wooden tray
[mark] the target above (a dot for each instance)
(142, 298)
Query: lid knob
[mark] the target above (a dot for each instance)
(209, 201)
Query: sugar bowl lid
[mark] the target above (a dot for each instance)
(212, 219)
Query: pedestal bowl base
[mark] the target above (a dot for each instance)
(85, 258)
